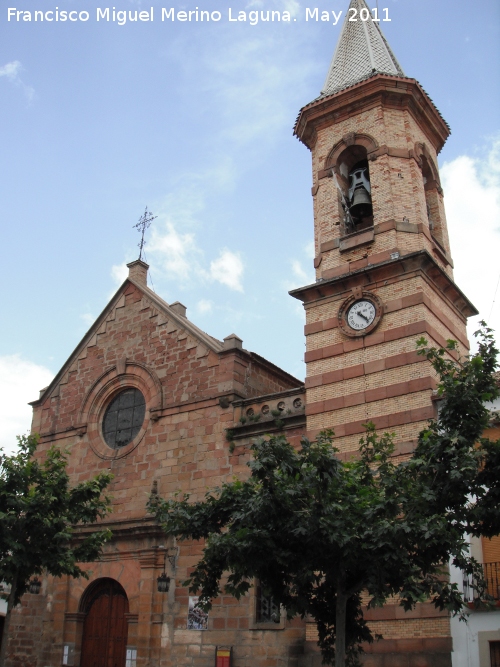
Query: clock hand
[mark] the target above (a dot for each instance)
(363, 316)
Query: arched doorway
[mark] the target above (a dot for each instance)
(105, 627)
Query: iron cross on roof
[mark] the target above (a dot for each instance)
(144, 222)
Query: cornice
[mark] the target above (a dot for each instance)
(416, 261)
(379, 90)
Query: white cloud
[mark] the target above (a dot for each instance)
(228, 270)
(256, 88)
(299, 272)
(309, 249)
(301, 276)
(291, 6)
(20, 382)
(176, 253)
(204, 306)
(255, 81)
(11, 72)
(472, 200)
(119, 272)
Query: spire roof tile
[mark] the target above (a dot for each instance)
(362, 51)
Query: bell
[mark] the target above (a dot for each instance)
(359, 192)
(361, 206)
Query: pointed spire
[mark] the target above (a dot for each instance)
(362, 51)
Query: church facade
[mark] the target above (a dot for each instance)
(167, 408)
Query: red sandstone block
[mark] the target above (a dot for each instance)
(381, 422)
(394, 334)
(331, 377)
(396, 360)
(375, 366)
(374, 339)
(394, 304)
(399, 418)
(438, 644)
(315, 408)
(421, 414)
(398, 389)
(379, 257)
(312, 328)
(236, 612)
(420, 384)
(382, 646)
(332, 404)
(395, 660)
(330, 323)
(313, 355)
(415, 328)
(353, 371)
(351, 345)
(315, 381)
(228, 600)
(413, 299)
(336, 271)
(418, 660)
(372, 660)
(351, 429)
(358, 264)
(376, 394)
(333, 350)
(354, 399)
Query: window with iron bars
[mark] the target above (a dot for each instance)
(488, 589)
(266, 610)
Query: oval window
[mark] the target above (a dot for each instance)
(123, 418)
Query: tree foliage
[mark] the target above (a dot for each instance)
(40, 517)
(318, 531)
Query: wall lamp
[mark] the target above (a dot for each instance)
(163, 581)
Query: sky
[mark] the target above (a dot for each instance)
(194, 120)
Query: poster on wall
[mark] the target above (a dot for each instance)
(197, 618)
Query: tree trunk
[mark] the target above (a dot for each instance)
(340, 618)
(5, 635)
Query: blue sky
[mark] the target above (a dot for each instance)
(195, 120)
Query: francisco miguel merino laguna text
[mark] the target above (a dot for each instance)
(121, 17)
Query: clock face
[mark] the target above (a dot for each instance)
(361, 314)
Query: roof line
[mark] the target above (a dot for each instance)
(212, 343)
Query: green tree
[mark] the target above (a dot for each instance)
(317, 531)
(40, 516)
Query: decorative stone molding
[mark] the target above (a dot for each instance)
(98, 397)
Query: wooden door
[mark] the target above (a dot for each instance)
(105, 629)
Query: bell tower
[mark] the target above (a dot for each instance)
(384, 277)
(384, 272)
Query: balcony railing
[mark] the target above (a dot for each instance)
(488, 589)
